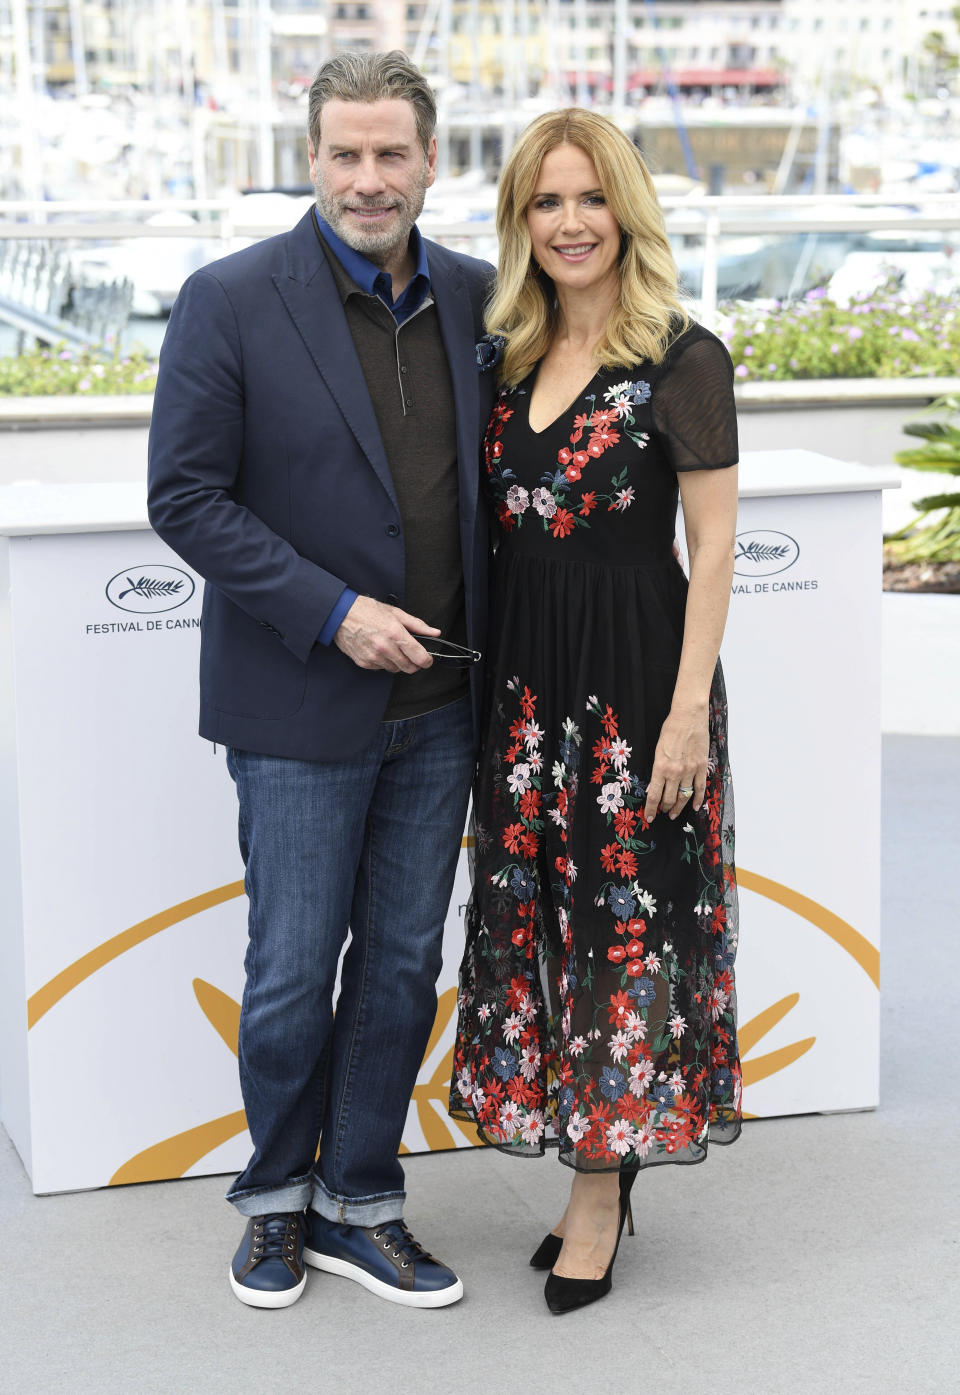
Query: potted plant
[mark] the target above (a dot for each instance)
(925, 555)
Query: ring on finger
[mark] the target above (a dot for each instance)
(686, 791)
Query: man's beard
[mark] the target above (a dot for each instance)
(377, 244)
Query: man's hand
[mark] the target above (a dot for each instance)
(375, 635)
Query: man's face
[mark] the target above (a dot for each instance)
(370, 174)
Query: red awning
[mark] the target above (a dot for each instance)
(686, 77)
(708, 77)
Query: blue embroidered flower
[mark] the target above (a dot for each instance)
(663, 1094)
(489, 351)
(621, 902)
(640, 392)
(644, 990)
(504, 1063)
(565, 1102)
(612, 1083)
(522, 884)
(722, 1081)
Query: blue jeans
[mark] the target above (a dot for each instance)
(369, 843)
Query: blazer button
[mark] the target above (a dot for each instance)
(393, 530)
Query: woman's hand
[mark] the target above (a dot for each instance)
(679, 764)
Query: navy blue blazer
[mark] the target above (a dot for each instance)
(267, 474)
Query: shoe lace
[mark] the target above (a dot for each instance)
(404, 1244)
(275, 1235)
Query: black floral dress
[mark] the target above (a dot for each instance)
(596, 991)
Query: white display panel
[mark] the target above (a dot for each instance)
(133, 923)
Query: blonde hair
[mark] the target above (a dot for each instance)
(523, 306)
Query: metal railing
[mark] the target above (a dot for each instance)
(709, 219)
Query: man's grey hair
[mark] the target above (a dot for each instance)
(373, 77)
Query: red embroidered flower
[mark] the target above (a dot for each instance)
(608, 856)
(561, 523)
(626, 863)
(512, 835)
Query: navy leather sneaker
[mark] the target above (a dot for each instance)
(383, 1258)
(267, 1270)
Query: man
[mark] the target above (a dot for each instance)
(314, 456)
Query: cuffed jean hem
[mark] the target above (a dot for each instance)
(295, 1196)
(365, 1211)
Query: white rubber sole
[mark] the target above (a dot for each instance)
(438, 1298)
(263, 1298)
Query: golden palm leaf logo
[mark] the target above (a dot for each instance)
(174, 1156)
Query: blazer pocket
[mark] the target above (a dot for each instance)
(245, 669)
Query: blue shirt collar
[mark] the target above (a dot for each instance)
(372, 280)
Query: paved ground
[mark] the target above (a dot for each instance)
(819, 1256)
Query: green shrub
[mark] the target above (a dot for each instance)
(877, 335)
(938, 541)
(57, 371)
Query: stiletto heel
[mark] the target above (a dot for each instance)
(564, 1295)
(627, 1180)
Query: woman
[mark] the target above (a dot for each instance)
(597, 986)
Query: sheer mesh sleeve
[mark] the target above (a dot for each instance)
(694, 409)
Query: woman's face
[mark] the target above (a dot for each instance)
(575, 237)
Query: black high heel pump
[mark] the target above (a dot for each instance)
(564, 1295)
(547, 1252)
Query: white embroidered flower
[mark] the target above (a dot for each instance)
(532, 1126)
(465, 1083)
(610, 798)
(718, 1003)
(528, 1010)
(643, 1138)
(512, 1028)
(532, 734)
(677, 1083)
(648, 902)
(518, 499)
(536, 762)
(478, 1099)
(544, 503)
(529, 1061)
(625, 498)
(619, 1045)
(620, 753)
(484, 1011)
(571, 871)
(577, 1126)
(620, 1136)
(635, 1027)
(651, 963)
(510, 1118)
(577, 1046)
(641, 1073)
(555, 816)
(678, 1025)
(519, 779)
(618, 395)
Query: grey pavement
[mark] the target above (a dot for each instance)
(820, 1254)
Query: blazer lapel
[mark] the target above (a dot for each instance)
(310, 295)
(457, 330)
